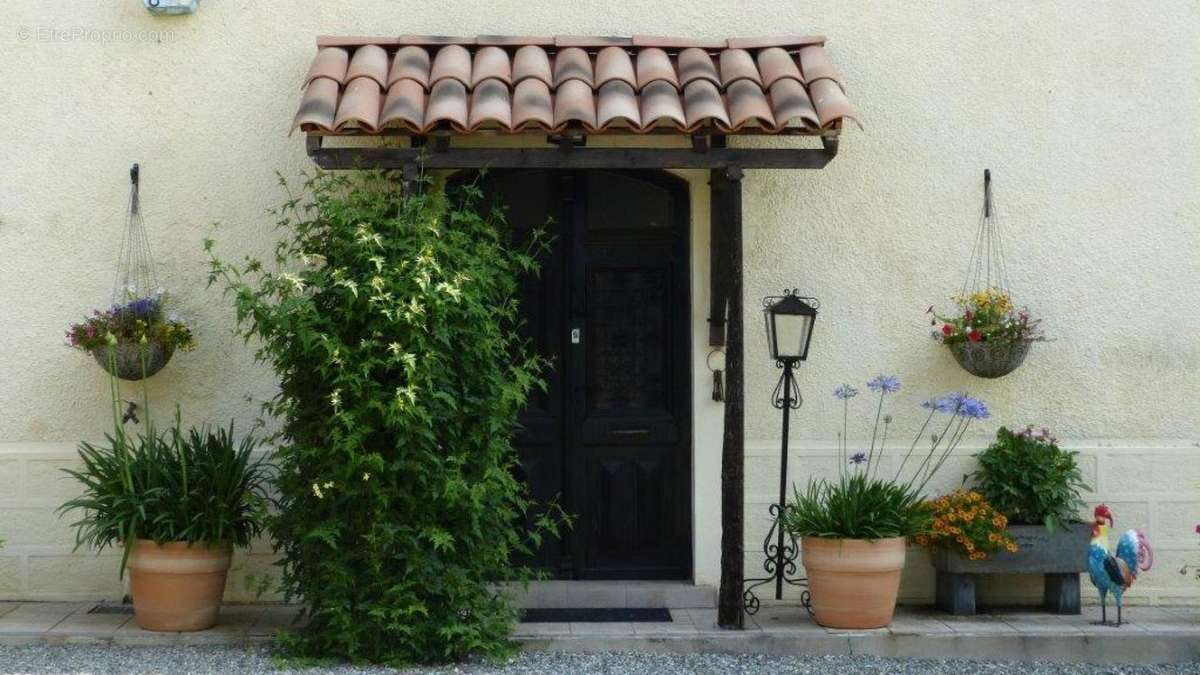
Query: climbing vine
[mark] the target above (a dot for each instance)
(390, 318)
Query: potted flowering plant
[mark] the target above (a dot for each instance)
(966, 525)
(854, 530)
(988, 335)
(134, 339)
(1035, 487)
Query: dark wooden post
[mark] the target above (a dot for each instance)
(726, 210)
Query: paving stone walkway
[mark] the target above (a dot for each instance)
(1151, 634)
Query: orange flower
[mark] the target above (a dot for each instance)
(1012, 548)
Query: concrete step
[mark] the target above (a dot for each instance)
(615, 594)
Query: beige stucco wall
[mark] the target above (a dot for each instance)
(1088, 117)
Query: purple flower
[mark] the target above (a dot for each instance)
(845, 392)
(858, 458)
(973, 408)
(885, 383)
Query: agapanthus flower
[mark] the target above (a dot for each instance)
(860, 457)
(845, 392)
(885, 383)
(973, 408)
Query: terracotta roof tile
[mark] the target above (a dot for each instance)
(369, 61)
(573, 63)
(421, 84)
(331, 62)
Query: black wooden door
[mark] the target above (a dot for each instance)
(611, 438)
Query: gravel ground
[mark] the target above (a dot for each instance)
(180, 660)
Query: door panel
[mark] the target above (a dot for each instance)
(612, 436)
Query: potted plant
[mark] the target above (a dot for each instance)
(178, 502)
(853, 531)
(1036, 486)
(988, 335)
(132, 340)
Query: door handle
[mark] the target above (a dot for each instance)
(630, 432)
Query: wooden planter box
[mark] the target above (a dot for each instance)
(1060, 556)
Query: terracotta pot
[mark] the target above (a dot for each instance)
(177, 586)
(853, 582)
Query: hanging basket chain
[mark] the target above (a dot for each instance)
(987, 267)
(135, 275)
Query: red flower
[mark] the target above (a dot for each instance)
(975, 336)
(947, 330)
(1198, 529)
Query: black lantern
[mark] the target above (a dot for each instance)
(790, 318)
(790, 322)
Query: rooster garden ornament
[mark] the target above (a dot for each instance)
(1115, 573)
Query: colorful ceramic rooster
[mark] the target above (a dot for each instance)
(1115, 573)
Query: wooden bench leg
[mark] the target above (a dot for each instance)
(1062, 593)
(956, 593)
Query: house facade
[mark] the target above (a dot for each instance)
(1087, 119)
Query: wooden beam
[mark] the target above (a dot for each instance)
(576, 158)
(726, 211)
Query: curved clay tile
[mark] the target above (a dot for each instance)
(532, 105)
(319, 105)
(447, 102)
(405, 104)
(789, 101)
(573, 63)
(696, 64)
(660, 101)
(491, 62)
(574, 102)
(410, 63)
(491, 101)
(775, 64)
(360, 104)
(830, 102)
(613, 63)
(736, 64)
(453, 62)
(330, 62)
(816, 64)
(653, 64)
(617, 102)
(702, 104)
(747, 103)
(369, 61)
(532, 61)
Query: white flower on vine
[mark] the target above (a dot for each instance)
(405, 396)
(364, 235)
(316, 490)
(377, 283)
(296, 282)
(328, 485)
(366, 476)
(450, 289)
(335, 399)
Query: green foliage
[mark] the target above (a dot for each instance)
(201, 487)
(856, 507)
(390, 319)
(1029, 479)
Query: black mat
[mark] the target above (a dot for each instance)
(596, 615)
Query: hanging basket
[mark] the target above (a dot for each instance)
(132, 361)
(990, 359)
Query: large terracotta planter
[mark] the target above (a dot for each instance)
(853, 582)
(177, 586)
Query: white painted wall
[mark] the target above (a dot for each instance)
(1088, 116)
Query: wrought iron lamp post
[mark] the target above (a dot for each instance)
(789, 318)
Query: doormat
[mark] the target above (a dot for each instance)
(111, 609)
(596, 615)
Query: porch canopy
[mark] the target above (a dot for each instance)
(556, 94)
(569, 89)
